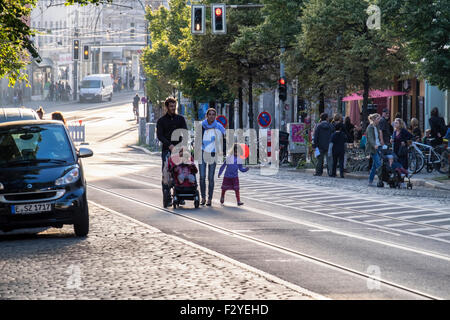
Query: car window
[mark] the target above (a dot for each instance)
(87, 84)
(34, 144)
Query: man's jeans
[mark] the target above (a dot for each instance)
(164, 157)
(211, 172)
(320, 160)
(375, 165)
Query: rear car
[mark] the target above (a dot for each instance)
(42, 182)
(17, 114)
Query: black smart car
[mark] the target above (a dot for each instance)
(41, 177)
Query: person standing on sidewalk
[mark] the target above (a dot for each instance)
(337, 149)
(373, 144)
(212, 131)
(165, 127)
(385, 128)
(399, 139)
(322, 136)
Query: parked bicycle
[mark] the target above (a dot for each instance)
(422, 155)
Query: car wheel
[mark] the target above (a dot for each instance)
(110, 98)
(81, 226)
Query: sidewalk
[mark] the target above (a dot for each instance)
(51, 104)
(421, 179)
(125, 259)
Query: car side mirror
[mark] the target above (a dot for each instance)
(85, 153)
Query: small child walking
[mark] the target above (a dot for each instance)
(233, 165)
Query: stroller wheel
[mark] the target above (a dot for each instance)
(409, 186)
(166, 197)
(197, 204)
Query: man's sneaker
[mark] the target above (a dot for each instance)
(240, 203)
(203, 202)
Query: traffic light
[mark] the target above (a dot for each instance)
(86, 51)
(198, 24)
(219, 25)
(282, 88)
(76, 49)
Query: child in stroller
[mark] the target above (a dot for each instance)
(182, 173)
(392, 172)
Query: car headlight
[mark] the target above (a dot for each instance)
(71, 177)
(1, 186)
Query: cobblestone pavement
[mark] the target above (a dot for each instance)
(124, 259)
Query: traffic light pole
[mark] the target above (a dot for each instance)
(281, 112)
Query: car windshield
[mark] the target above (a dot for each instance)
(34, 144)
(87, 84)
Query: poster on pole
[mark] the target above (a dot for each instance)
(297, 137)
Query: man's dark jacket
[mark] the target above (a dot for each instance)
(165, 126)
(322, 135)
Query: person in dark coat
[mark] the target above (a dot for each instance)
(399, 139)
(337, 149)
(438, 127)
(322, 136)
(349, 130)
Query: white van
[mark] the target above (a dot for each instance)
(96, 87)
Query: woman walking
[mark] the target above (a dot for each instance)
(399, 139)
(212, 134)
(233, 164)
(372, 144)
(415, 130)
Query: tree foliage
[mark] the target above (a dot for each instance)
(16, 46)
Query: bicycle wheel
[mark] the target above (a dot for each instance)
(444, 166)
(412, 160)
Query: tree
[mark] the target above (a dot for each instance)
(424, 27)
(345, 51)
(16, 45)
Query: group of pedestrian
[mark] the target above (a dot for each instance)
(212, 133)
(330, 139)
(59, 91)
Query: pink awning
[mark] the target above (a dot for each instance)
(374, 94)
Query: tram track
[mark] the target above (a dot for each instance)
(269, 245)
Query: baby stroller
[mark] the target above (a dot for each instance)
(182, 182)
(394, 177)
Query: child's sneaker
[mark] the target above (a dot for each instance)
(240, 203)
(222, 200)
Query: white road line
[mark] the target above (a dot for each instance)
(357, 217)
(444, 234)
(423, 215)
(436, 220)
(377, 220)
(420, 229)
(395, 225)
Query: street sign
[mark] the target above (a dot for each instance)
(222, 120)
(264, 119)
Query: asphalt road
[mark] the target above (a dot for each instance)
(340, 240)
(334, 241)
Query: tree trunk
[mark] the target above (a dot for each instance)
(322, 101)
(366, 84)
(241, 105)
(250, 98)
(231, 115)
(195, 109)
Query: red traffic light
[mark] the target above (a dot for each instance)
(218, 12)
(282, 81)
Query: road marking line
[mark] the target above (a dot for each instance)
(444, 234)
(436, 220)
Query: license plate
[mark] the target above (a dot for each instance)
(31, 208)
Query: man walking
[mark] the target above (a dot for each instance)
(136, 100)
(385, 128)
(322, 136)
(165, 127)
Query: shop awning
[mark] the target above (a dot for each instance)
(374, 94)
